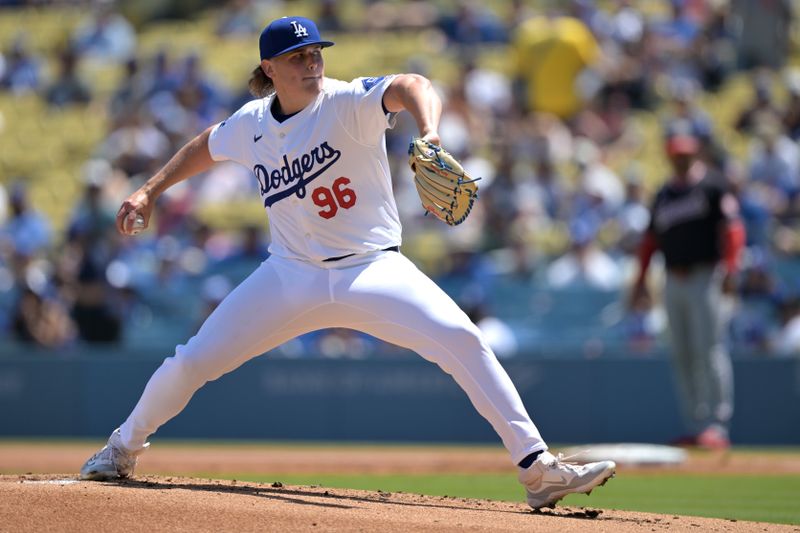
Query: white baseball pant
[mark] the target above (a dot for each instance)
(382, 294)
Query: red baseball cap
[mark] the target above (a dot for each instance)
(682, 145)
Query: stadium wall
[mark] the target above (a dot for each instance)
(572, 401)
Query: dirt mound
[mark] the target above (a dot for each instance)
(166, 504)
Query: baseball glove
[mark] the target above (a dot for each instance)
(443, 185)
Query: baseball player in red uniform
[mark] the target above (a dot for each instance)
(695, 223)
(317, 148)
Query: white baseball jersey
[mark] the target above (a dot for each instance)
(323, 173)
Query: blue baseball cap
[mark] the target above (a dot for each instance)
(288, 33)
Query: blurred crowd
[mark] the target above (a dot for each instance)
(555, 134)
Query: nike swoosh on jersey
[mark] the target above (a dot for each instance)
(257, 137)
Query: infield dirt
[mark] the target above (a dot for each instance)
(167, 504)
(33, 498)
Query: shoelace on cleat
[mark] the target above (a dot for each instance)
(562, 461)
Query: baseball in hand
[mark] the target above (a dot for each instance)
(138, 225)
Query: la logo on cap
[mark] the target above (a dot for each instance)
(299, 29)
(286, 34)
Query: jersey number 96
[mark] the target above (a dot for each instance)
(332, 199)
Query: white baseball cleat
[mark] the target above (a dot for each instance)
(550, 478)
(111, 462)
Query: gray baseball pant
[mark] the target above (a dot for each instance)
(702, 364)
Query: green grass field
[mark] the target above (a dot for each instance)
(737, 497)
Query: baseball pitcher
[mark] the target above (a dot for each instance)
(316, 146)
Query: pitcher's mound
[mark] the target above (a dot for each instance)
(166, 504)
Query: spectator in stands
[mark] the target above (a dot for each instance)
(382, 15)
(626, 70)
(604, 118)
(91, 225)
(626, 24)
(21, 72)
(164, 285)
(472, 24)
(715, 47)
(596, 19)
(755, 201)
(130, 93)
(41, 319)
(685, 116)
(642, 324)
(485, 90)
(585, 264)
(761, 108)
(200, 240)
(239, 17)
(161, 77)
(463, 123)
(791, 114)
(105, 36)
(550, 54)
(198, 95)
(753, 321)
(329, 17)
(497, 332)
(247, 251)
(178, 100)
(252, 245)
(26, 231)
(677, 32)
(466, 268)
(633, 216)
(787, 340)
(214, 289)
(502, 203)
(775, 164)
(94, 310)
(601, 192)
(137, 146)
(68, 88)
(532, 135)
(518, 11)
(547, 186)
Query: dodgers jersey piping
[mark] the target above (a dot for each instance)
(313, 149)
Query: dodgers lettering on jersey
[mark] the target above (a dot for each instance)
(323, 174)
(297, 174)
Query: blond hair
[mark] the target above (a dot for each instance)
(260, 84)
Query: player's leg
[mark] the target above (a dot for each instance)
(714, 370)
(273, 305)
(392, 300)
(678, 302)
